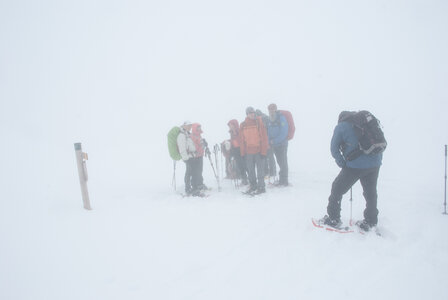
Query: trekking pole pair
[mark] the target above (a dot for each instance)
(222, 165)
(207, 152)
(234, 173)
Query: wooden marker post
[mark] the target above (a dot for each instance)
(81, 158)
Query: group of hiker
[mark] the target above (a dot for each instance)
(252, 146)
(357, 145)
(255, 142)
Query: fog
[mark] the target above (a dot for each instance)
(118, 75)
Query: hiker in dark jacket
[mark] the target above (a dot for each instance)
(278, 140)
(364, 168)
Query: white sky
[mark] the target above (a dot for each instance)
(116, 75)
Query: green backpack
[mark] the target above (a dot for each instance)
(172, 143)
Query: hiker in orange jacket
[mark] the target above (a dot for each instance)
(254, 147)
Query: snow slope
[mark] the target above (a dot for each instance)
(117, 75)
(226, 246)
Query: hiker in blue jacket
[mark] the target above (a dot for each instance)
(364, 168)
(278, 140)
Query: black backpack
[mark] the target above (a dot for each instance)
(370, 136)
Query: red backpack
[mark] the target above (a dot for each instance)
(290, 120)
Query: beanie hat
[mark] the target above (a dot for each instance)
(344, 115)
(186, 123)
(272, 107)
(250, 110)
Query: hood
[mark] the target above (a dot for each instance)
(234, 123)
(196, 129)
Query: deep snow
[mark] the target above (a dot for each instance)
(226, 246)
(117, 75)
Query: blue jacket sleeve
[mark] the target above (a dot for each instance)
(283, 134)
(336, 142)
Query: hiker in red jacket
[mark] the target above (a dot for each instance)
(254, 147)
(235, 152)
(200, 145)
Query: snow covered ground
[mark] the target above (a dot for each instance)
(117, 75)
(226, 246)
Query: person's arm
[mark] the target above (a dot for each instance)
(336, 142)
(182, 145)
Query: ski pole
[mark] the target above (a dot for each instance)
(222, 168)
(351, 205)
(215, 152)
(233, 173)
(444, 202)
(173, 183)
(207, 152)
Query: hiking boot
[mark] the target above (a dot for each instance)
(203, 187)
(336, 223)
(196, 193)
(364, 225)
(260, 191)
(250, 190)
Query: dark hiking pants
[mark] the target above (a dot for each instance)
(281, 154)
(256, 178)
(193, 174)
(240, 165)
(342, 184)
(270, 167)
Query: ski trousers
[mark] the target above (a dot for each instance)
(255, 161)
(193, 174)
(270, 167)
(281, 154)
(342, 184)
(240, 165)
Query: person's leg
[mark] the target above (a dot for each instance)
(342, 183)
(260, 162)
(250, 165)
(369, 186)
(282, 160)
(187, 178)
(195, 174)
(241, 169)
(200, 170)
(271, 169)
